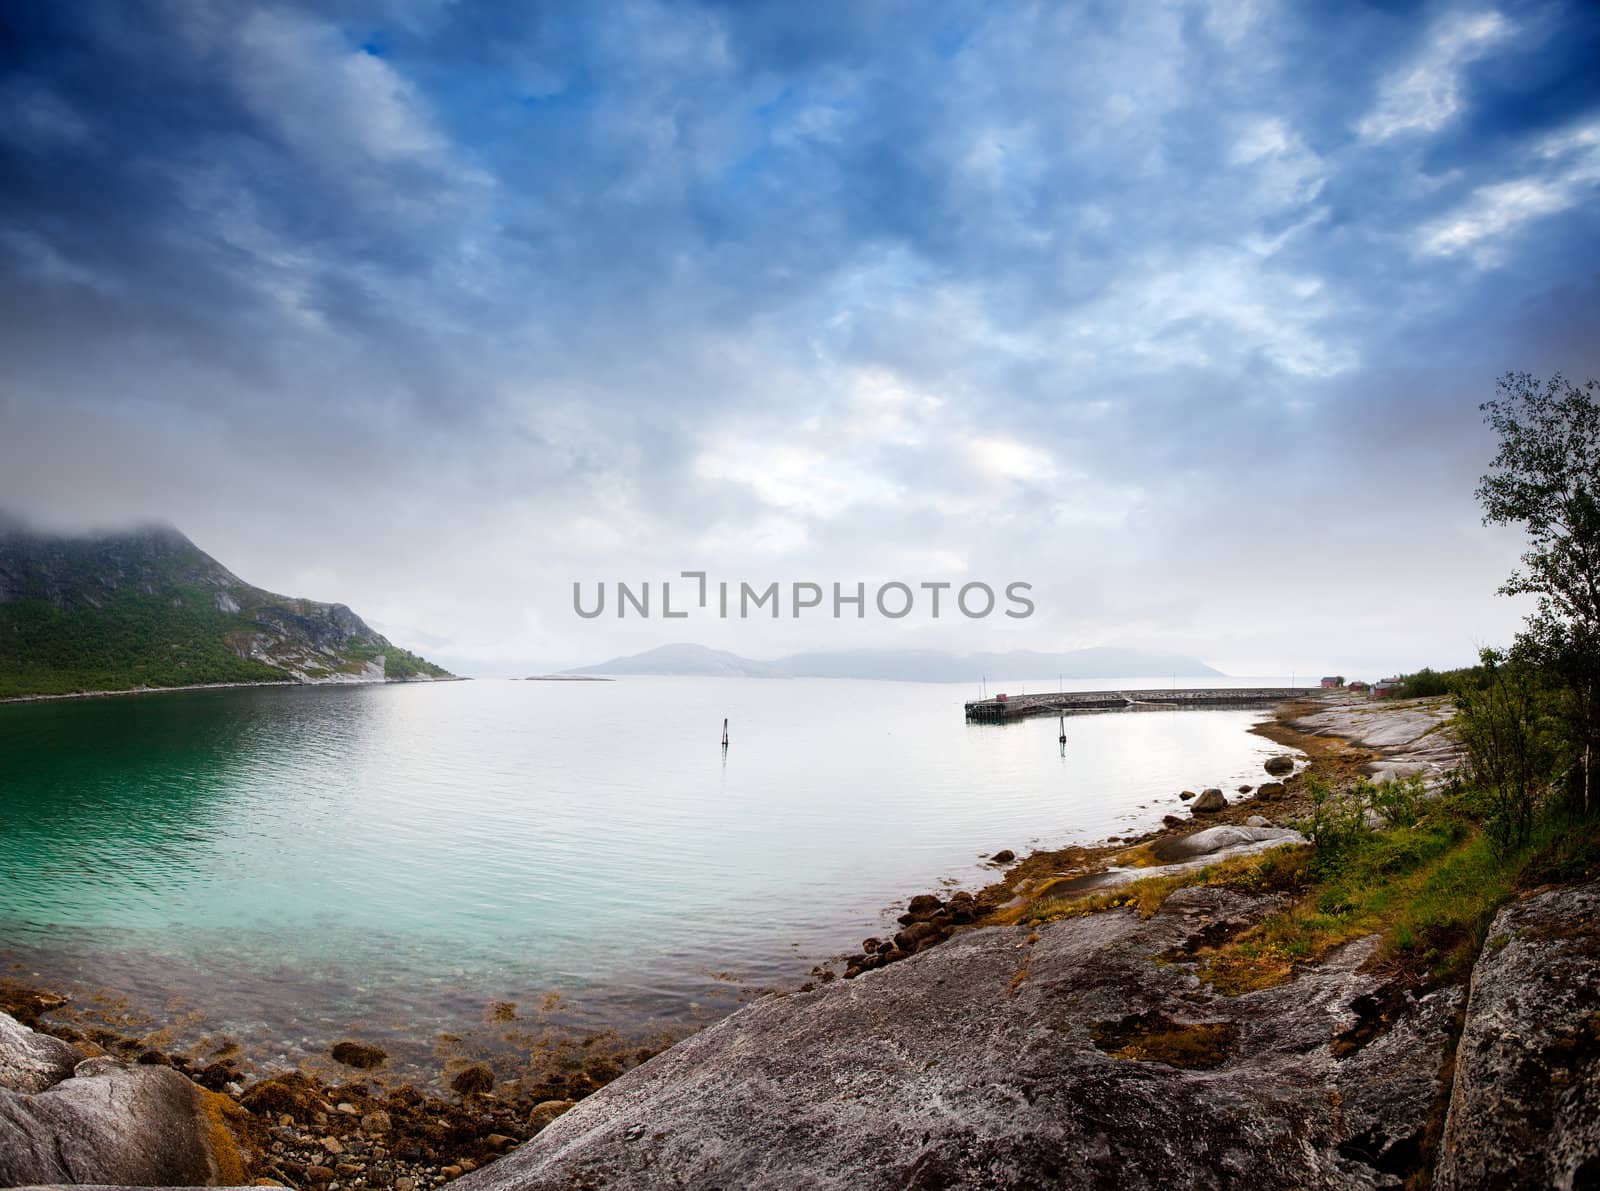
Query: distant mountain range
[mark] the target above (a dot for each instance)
(149, 608)
(909, 665)
(685, 659)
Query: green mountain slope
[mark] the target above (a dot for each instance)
(151, 609)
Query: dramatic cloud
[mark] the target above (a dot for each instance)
(1424, 94)
(1179, 311)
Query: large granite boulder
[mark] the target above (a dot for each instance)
(1006, 1058)
(32, 1062)
(1525, 1109)
(103, 1122)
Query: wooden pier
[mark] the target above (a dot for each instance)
(1016, 707)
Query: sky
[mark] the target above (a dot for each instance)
(1179, 312)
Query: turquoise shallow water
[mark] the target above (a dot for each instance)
(302, 862)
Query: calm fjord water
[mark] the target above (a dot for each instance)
(389, 859)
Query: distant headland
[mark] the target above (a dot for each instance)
(908, 665)
(147, 609)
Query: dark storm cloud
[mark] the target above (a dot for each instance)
(496, 296)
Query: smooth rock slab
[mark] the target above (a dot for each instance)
(1225, 840)
(980, 1064)
(1184, 854)
(1411, 738)
(1525, 1108)
(32, 1062)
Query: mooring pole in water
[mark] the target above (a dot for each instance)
(724, 731)
(1063, 732)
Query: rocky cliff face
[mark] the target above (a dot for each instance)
(150, 608)
(1525, 1107)
(87, 572)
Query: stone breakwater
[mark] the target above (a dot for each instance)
(1016, 707)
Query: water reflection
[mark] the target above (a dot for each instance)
(131, 808)
(406, 854)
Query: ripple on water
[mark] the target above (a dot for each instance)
(406, 854)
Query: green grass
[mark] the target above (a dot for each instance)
(1428, 886)
(397, 662)
(1429, 890)
(1279, 869)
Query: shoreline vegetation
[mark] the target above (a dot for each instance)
(1402, 857)
(1423, 880)
(223, 686)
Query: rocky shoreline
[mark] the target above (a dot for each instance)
(1247, 825)
(982, 1045)
(310, 1128)
(289, 1128)
(1086, 1053)
(224, 686)
(1105, 1048)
